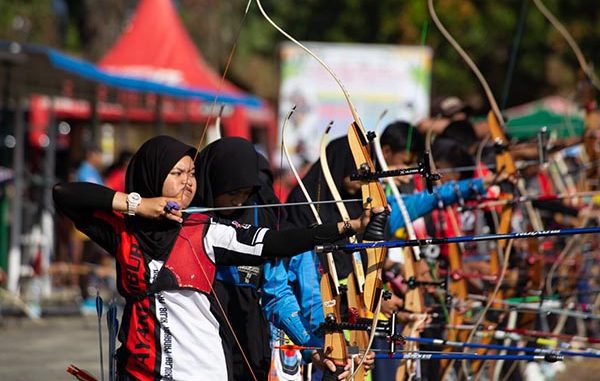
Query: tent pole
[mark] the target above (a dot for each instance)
(94, 117)
(159, 121)
(47, 218)
(14, 253)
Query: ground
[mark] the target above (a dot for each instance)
(43, 351)
(32, 351)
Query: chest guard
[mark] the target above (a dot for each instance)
(187, 267)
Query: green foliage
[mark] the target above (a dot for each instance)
(485, 28)
(26, 20)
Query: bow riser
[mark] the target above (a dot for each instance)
(335, 343)
(373, 195)
(413, 300)
(458, 291)
(359, 339)
(372, 192)
(373, 280)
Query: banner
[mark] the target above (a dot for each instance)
(379, 78)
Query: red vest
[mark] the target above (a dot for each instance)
(187, 266)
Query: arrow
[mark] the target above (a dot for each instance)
(465, 356)
(540, 351)
(446, 240)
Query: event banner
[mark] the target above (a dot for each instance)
(380, 78)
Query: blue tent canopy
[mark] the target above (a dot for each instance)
(37, 68)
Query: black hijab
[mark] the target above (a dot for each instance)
(231, 163)
(145, 175)
(226, 165)
(341, 164)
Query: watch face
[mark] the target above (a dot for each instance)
(134, 197)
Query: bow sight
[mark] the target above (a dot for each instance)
(423, 168)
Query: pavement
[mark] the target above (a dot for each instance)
(34, 351)
(42, 350)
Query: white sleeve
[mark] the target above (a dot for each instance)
(233, 239)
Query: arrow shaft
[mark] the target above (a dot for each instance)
(458, 356)
(446, 240)
(540, 351)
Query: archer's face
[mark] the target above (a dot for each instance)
(181, 182)
(400, 159)
(234, 198)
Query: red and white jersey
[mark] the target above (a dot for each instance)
(168, 330)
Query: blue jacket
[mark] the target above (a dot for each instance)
(420, 204)
(291, 298)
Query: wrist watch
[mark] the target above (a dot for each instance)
(133, 201)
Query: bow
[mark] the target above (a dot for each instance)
(356, 279)
(457, 287)
(335, 343)
(373, 196)
(413, 299)
(591, 136)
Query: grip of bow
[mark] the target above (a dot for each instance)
(373, 196)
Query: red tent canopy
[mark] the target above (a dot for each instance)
(155, 45)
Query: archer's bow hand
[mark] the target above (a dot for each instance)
(369, 362)
(375, 230)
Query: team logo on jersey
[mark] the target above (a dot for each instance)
(237, 225)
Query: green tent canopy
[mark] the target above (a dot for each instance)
(529, 125)
(558, 114)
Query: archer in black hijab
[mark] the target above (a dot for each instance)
(227, 165)
(232, 163)
(145, 175)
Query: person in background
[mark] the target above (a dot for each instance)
(115, 174)
(86, 252)
(89, 169)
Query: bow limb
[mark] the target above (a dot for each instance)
(587, 69)
(410, 230)
(592, 116)
(357, 261)
(319, 60)
(335, 343)
(356, 279)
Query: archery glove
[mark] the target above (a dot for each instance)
(375, 230)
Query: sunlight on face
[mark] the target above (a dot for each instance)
(181, 182)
